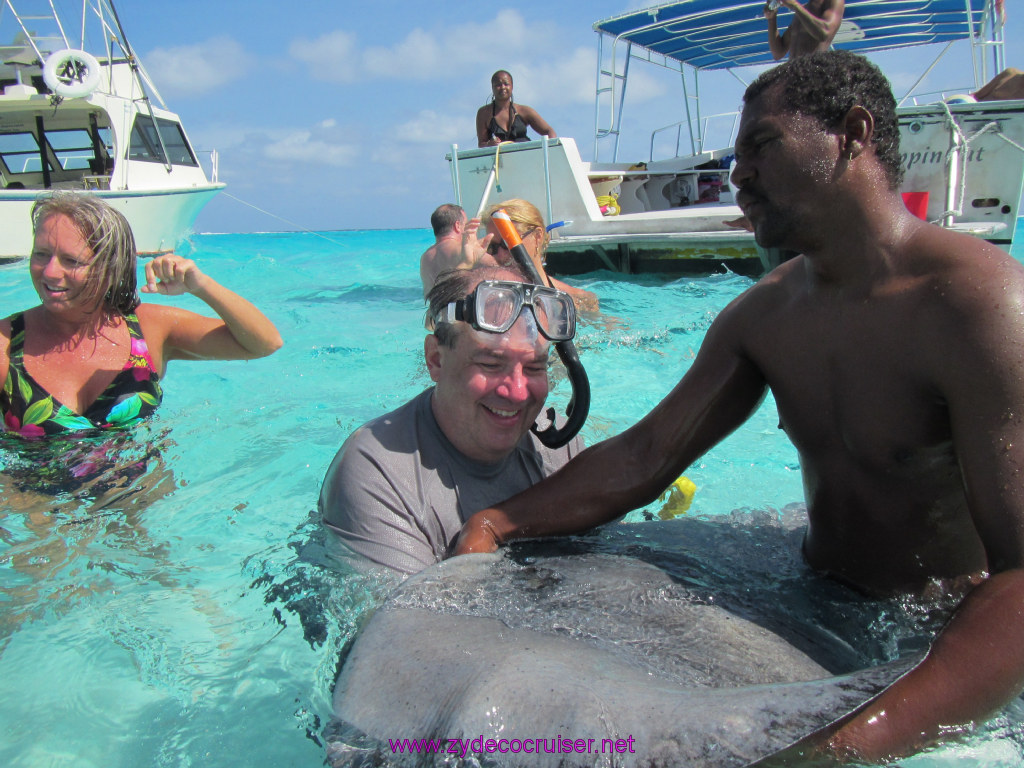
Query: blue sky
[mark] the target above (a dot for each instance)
(337, 115)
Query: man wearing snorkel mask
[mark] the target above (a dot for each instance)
(402, 485)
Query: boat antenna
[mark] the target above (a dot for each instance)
(133, 62)
(579, 404)
(124, 37)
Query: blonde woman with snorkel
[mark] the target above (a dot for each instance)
(530, 225)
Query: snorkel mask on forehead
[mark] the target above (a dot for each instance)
(579, 404)
(495, 305)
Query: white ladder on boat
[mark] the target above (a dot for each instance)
(52, 39)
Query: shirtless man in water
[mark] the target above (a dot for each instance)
(456, 245)
(894, 352)
(448, 222)
(813, 28)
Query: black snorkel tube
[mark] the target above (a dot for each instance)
(579, 404)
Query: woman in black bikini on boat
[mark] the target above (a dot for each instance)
(501, 120)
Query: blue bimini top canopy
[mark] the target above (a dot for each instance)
(712, 34)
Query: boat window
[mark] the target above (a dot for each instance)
(145, 145)
(74, 149)
(20, 152)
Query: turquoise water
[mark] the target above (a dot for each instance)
(199, 620)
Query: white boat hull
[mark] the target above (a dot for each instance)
(71, 120)
(159, 220)
(669, 215)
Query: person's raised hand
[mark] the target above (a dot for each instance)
(172, 275)
(474, 249)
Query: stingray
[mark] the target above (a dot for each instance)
(621, 649)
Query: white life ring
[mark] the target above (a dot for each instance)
(71, 73)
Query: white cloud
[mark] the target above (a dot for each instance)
(332, 57)
(423, 55)
(564, 80)
(419, 56)
(200, 68)
(300, 146)
(431, 127)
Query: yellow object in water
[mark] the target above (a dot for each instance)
(677, 498)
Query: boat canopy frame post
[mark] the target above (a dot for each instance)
(622, 101)
(599, 75)
(696, 143)
(987, 35)
(98, 150)
(953, 165)
(599, 70)
(44, 161)
(616, 90)
(547, 176)
(456, 183)
(994, 39)
(973, 38)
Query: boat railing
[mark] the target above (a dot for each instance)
(214, 161)
(699, 144)
(934, 97)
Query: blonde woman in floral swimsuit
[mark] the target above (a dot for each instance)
(91, 355)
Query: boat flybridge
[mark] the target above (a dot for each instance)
(80, 120)
(964, 158)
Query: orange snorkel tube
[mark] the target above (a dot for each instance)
(510, 235)
(579, 404)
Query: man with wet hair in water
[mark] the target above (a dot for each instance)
(893, 350)
(456, 245)
(813, 28)
(402, 485)
(449, 223)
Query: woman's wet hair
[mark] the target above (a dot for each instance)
(458, 284)
(826, 86)
(112, 285)
(524, 216)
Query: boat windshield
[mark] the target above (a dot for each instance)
(71, 148)
(145, 145)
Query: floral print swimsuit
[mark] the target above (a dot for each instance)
(31, 411)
